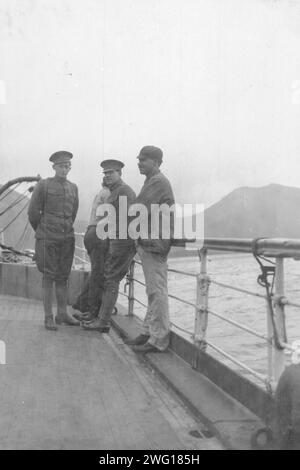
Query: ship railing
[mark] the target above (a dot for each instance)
(275, 338)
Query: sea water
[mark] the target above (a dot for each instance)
(238, 271)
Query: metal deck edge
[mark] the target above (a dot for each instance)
(226, 418)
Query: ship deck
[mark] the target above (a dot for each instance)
(74, 389)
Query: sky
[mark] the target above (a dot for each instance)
(214, 83)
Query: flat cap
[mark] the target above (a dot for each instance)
(62, 156)
(111, 164)
(150, 151)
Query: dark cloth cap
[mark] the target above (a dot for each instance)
(150, 151)
(111, 164)
(61, 157)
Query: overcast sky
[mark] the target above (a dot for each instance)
(214, 83)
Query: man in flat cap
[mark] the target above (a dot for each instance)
(52, 211)
(121, 249)
(153, 253)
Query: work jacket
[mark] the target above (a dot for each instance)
(53, 208)
(157, 190)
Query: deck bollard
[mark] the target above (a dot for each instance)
(130, 279)
(201, 311)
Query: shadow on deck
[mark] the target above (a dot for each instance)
(74, 389)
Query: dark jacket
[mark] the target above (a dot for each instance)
(53, 208)
(116, 191)
(157, 190)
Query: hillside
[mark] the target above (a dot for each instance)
(268, 211)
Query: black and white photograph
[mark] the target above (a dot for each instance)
(149, 228)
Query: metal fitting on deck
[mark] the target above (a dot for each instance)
(279, 300)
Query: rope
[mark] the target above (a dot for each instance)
(22, 237)
(235, 361)
(239, 325)
(238, 289)
(182, 329)
(10, 248)
(13, 204)
(262, 280)
(10, 191)
(19, 213)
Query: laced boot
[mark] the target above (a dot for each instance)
(102, 322)
(61, 290)
(47, 301)
(85, 317)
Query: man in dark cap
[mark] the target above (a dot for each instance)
(52, 211)
(121, 249)
(153, 253)
(89, 300)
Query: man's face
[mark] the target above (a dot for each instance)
(62, 169)
(147, 165)
(112, 177)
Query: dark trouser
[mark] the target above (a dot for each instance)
(82, 301)
(117, 264)
(54, 259)
(97, 250)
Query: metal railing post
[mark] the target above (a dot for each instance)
(279, 356)
(270, 349)
(130, 279)
(201, 311)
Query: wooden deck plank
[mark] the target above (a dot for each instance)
(73, 389)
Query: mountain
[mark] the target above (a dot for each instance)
(268, 211)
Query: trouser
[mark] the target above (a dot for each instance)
(82, 301)
(156, 323)
(54, 259)
(91, 296)
(120, 255)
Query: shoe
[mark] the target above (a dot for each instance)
(49, 323)
(145, 348)
(81, 308)
(95, 326)
(138, 341)
(85, 317)
(67, 319)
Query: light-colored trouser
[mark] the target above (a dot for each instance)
(156, 322)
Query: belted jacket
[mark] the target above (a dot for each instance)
(53, 209)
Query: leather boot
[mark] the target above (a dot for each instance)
(86, 317)
(61, 291)
(102, 322)
(47, 301)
